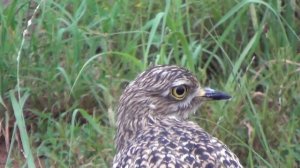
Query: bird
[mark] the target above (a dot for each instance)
(153, 126)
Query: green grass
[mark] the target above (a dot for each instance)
(58, 100)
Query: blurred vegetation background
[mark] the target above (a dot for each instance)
(64, 64)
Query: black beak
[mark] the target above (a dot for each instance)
(212, 94)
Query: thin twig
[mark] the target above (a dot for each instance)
(25, 33)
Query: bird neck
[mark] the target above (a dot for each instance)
(131, 120)
(128, 130)
(134, 115)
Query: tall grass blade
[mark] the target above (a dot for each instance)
(18, 112)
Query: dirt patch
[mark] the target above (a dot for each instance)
(3, 153)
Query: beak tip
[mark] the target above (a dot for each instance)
(222, 96)
(228, 97)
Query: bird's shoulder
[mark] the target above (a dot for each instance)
(182, 144)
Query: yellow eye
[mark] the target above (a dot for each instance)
(179, 92)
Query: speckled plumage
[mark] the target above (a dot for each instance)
(153, 128)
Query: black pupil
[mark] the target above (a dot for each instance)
(180, 90)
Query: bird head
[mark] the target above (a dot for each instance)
(165, 91)
(159, 93)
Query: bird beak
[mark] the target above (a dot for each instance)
(212, 94)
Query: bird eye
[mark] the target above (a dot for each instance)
(179, 92)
